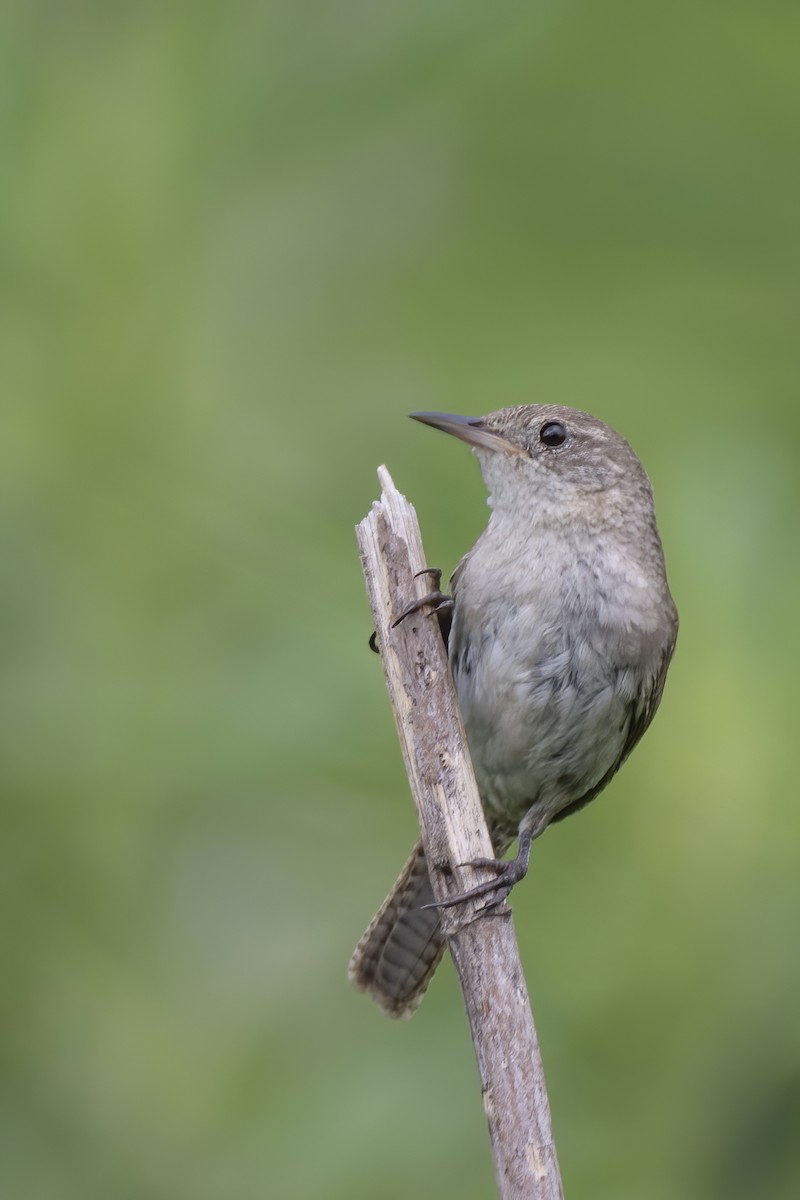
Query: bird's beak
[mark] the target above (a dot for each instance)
(472, 430)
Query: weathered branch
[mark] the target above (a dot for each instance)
(454, 832)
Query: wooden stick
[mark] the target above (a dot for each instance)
(454, 832)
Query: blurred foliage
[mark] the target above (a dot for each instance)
(239, 242)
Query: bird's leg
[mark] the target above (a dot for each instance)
(508, 872)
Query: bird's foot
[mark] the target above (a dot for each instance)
(436, 599)
(440, 603)
(506, 873)
(497, 889)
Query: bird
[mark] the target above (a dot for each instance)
(561, 630)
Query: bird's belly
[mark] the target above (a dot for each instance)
(543, 729)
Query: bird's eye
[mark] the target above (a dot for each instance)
(553, 433)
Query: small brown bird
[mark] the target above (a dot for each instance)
(563, 628)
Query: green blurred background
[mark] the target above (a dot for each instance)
(239, 243)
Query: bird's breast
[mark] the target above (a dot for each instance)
(548, 654)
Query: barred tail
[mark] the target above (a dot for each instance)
(398, 954)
